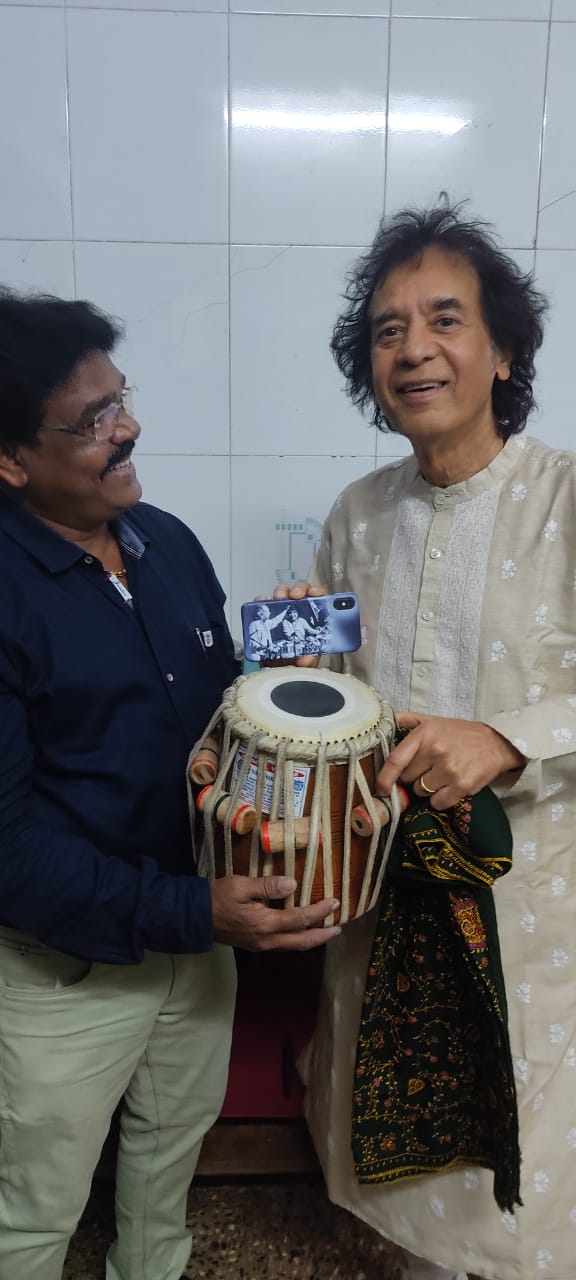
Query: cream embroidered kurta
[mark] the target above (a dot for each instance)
(468, 603)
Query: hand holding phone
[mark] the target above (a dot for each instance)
(295, 628)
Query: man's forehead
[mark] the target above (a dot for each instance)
(94, 377)
(435, 275)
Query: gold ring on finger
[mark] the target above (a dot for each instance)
(429, 791)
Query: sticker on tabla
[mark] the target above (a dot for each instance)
(301, 777)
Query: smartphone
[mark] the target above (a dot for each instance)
(292, 629)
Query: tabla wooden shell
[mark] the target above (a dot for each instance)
(300, 744)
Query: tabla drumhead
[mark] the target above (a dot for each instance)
(305, 705)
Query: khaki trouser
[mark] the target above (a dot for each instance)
(75, 1038)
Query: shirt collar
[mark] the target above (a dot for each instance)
(53, 551)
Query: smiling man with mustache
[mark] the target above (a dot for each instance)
(114, 654)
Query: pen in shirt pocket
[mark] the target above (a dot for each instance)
(206, 639)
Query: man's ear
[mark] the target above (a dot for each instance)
(12, 469)
(502, 363)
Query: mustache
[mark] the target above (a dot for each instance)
(121, 454)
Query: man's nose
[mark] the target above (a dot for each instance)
(125, 428)
(418, 344)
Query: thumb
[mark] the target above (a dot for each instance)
(409, 719)
(274, 887)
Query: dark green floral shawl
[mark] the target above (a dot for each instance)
(434, 1086)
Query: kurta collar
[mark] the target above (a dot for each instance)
(496, 472)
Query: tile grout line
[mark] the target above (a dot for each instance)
(69, 151)
(542, 133)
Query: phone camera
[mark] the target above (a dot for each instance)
(344, 602)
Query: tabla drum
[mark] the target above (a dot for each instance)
(292, 752)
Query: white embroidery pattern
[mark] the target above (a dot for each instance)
(518, 492)
(498, 651)
(560, 958)
(337, 572)
(524, 992)
(471, 1180)
(556, 812)
(562, 735)
(572, 1215)
(541, 614)
(364, 635)
(520, 1070)
(528, 923)
(571, 1138)
(552, 789)
(541, 1181)
(359, 530)
(563, 463)
(558, 886)
(538, 1102)
(568, 658)
(509, 1221)
(571, 700)
(534, 693)
(570, 1058)
(438, 1207)
(454, 672)
(551, 530)
(507, 569)
(528, 850)
(521, 745)
(557, 1033)
(374, 567)
(544, 1259)
(399, 608)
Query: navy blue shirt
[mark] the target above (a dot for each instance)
(100, 703)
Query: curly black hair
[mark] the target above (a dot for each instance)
(513, 309)
(42, 339)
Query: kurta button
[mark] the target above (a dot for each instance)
(435, 553)
(169, 676)
(427, 615)
(439, 499)
(88, 559)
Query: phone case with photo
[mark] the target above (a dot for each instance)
(289, 629)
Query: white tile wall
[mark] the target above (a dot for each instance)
(287, 393)
(278, 504)
(208, 170)
(308, 101)
(522, 10)
(35, 186)
(197, 490)
(361, 9)
(32, 265)
(564, 9)
(554, 388)
(147, 125)
(557, 222)
(174, 300)
(476, 90)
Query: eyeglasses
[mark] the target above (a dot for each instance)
(103, 425)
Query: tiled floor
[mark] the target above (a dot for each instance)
(277, 1231)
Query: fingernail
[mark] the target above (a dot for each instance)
(335, 904)
(335, 930)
